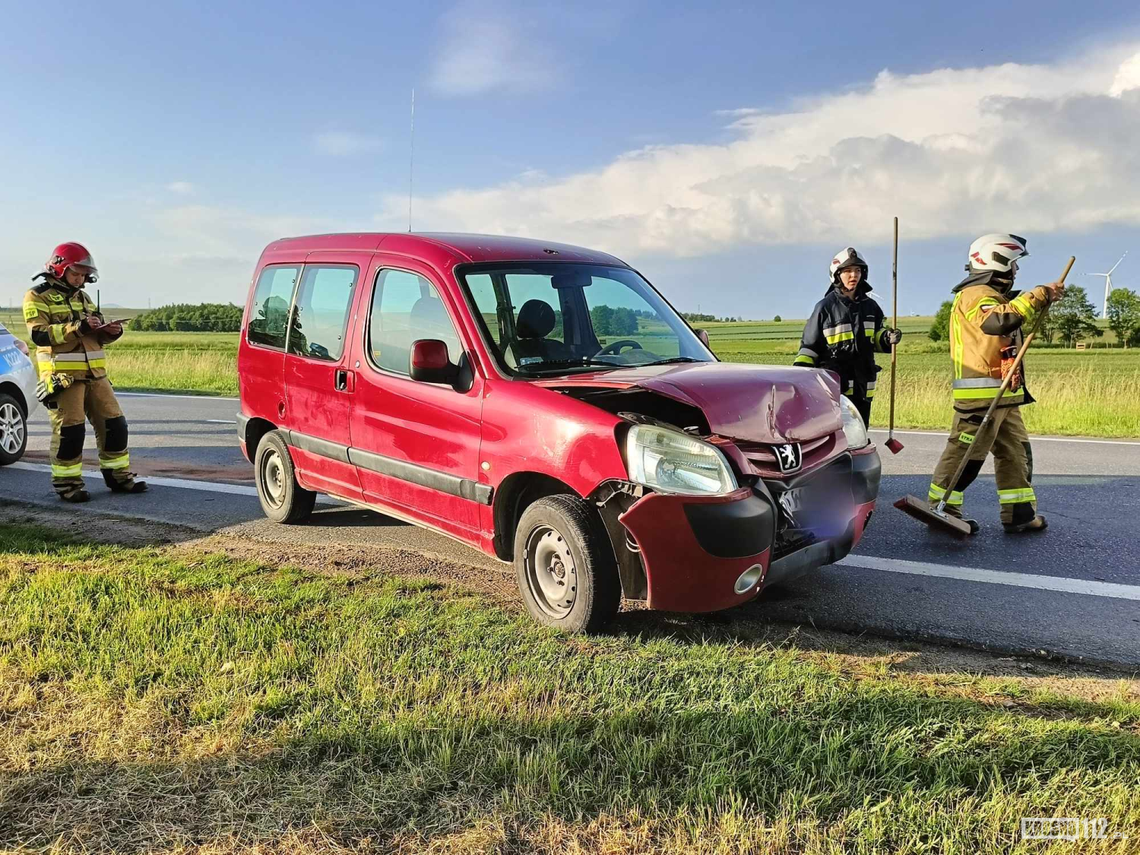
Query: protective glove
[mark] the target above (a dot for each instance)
(49, 388)
(892, 337)
(90, 323)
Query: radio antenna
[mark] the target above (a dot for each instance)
(411, 157)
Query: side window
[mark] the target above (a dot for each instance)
(323, 303)
(271, 301)
(483, 293)
(406, 308)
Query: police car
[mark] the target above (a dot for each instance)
(17, 396)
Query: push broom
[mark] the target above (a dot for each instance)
(893, 444)
(937, 516)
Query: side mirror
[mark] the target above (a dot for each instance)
(430, 362)
(704, 337)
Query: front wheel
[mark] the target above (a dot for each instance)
(565, 566)
(13, 430)
(282, 499)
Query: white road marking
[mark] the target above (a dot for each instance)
(944, 433)
(183, 397)
(184, 483)
(220, 422)
(994, 577)
(181, 483)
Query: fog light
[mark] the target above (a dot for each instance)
(748, 579)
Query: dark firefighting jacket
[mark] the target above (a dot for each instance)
(843, 335)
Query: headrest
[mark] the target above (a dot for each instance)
(536, 320)
(429, 311)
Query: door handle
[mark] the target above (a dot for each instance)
(341, 380)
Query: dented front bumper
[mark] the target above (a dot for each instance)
(704, 554)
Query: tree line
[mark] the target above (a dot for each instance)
(1072, 318)
(184, 317)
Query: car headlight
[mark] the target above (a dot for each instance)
(673, 462)
(853, 427)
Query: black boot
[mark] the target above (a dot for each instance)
(117, 486)
(1034, 525)
(76, 496)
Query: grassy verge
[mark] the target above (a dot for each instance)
(163, 699)
(1081, 393)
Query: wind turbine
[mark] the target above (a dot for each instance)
(1107, 285)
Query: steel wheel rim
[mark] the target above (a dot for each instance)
(273, 478)
(551, 573)
(11, 429)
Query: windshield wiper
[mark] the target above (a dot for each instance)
(581, 361)
(672, 360)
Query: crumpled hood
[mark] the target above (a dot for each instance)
(757, 403)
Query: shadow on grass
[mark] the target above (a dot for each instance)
(816, 763)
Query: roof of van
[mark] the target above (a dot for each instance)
(435, 246)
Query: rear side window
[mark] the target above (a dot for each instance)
(271, 301)
(323, 303)
(405, 309)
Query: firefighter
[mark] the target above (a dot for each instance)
(986, 325)
(69, 335)
(846, 330)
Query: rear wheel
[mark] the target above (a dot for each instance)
(282, 499)
(13, 430)
(564, 565)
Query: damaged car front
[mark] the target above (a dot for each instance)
(733, 476)
(744, 476)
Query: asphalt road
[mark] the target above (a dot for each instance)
(1073, 591)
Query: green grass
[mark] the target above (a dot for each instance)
(1092, 392)
(171, 699)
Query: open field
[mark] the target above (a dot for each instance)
(174, 699)
(1093, 392)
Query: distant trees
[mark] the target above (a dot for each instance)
(1124, 316)
(940, 329)
(610, 321)
(1074, 316)
(204, 317)
(698, 318)
(777, 319)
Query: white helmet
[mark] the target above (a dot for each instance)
(847, 257)
(996, 253)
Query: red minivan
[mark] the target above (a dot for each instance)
(543, 403)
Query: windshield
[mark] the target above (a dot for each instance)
(543, 319)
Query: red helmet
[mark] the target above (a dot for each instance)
(67, 254)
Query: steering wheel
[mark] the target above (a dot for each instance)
(615, 348)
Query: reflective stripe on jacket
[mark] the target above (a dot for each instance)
(843, 335)
(53, 313)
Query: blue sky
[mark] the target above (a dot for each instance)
(726, 150)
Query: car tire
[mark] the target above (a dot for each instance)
(282, 499)
(13, 430)
(565, 566)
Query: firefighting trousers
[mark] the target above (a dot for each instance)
(1007, 438)
(863, 405)
(88, 400)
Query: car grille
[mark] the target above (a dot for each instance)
(763, 459)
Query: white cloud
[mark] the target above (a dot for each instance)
(486, 49)
(1127, 76)
(182, 188)
(343, 143)
(1033, 148)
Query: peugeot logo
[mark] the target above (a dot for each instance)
(789, 456)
